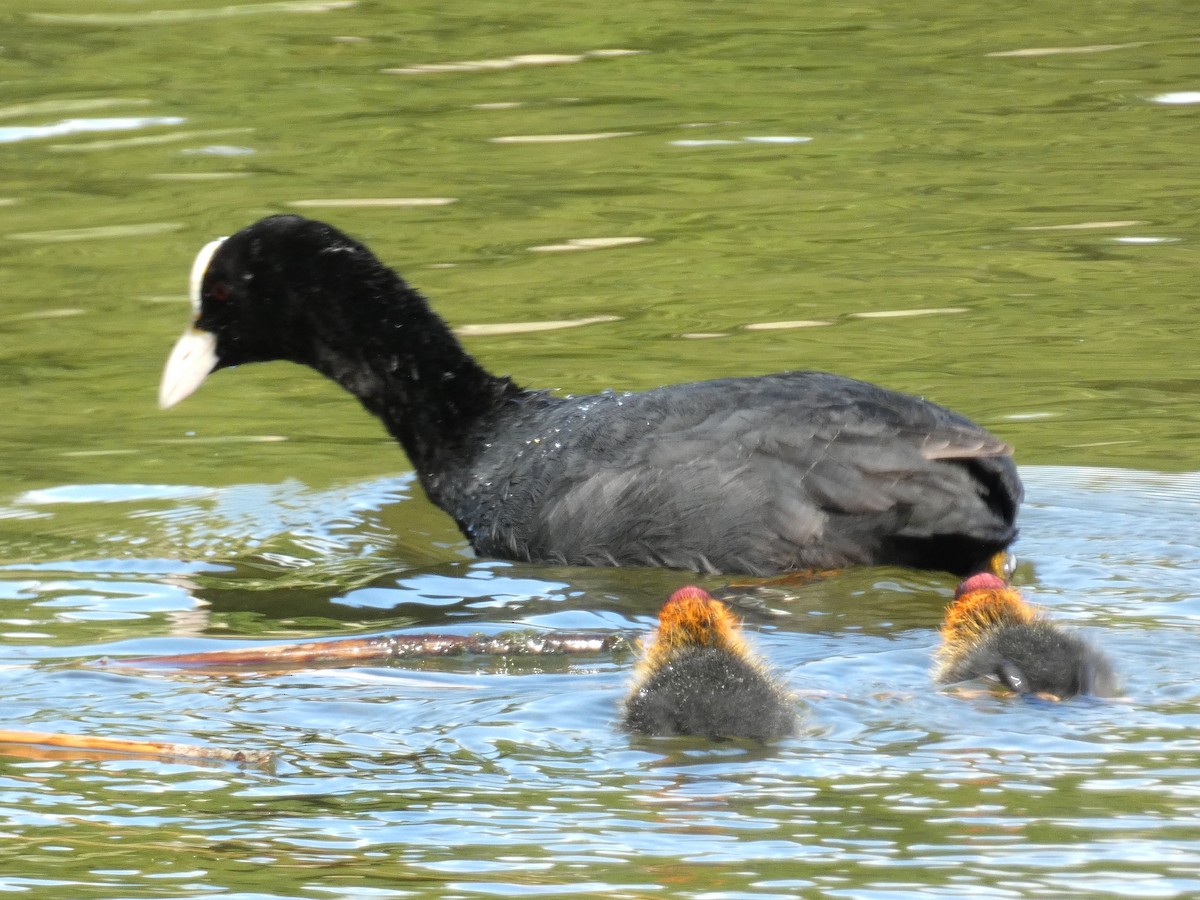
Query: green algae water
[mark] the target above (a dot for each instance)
(992, 208)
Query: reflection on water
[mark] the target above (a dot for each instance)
(100, 232)
(510, 62)
(174, 16)
(993, 211)
(10, 133)
(497, 775)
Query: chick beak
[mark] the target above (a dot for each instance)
(194, 356)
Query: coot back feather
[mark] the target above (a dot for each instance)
(755, 475)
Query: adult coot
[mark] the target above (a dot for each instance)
(992, 633)
(755, 475)
(698, 677)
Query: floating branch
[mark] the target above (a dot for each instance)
(387, 648)
(32, 740)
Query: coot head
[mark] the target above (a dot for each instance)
(276, 290)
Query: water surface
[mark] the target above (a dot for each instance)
(994, 209)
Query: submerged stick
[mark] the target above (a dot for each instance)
(387, 648)
(126, 746)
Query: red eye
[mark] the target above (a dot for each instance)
(219, 291)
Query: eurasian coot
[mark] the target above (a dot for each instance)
(757, 475)
(990, 632)
(698, 677)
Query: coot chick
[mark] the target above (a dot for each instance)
(699, 678)
(990, 632)
(757, 475)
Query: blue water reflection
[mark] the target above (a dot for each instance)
(64, 127)
(507, 768)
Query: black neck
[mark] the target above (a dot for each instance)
(405, 365)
